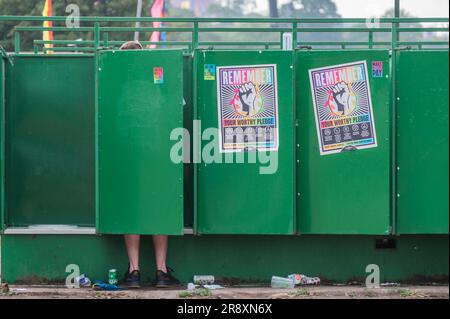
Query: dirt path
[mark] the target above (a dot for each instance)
(321, 292)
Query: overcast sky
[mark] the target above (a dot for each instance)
(374, 8)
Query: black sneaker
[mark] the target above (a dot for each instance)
(131, 280)
(166, 280)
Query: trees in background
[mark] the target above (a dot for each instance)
(87, 8)
(309, 9)
(219, 8)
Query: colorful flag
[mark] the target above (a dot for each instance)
(47, 35)
(157, 11)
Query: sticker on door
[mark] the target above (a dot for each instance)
(158, 75)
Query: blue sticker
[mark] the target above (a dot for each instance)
(210, 72)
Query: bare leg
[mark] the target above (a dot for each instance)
(132, 243)
(160, 244)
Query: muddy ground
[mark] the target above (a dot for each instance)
(240, 292)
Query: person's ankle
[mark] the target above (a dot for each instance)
(131, 269)
(163, 269)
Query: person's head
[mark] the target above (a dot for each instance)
(131, 45)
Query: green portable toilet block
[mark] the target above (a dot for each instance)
(308, 161)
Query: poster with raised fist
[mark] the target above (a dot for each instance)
(343, 107)
(248, 108)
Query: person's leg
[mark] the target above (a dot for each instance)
(132, 243)
(164, 277)
(160, 244)
(132, 278)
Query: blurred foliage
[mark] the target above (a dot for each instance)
(309, 9)
(107, 8)
(218, 8)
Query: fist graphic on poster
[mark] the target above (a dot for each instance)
(250, 101)
(342, 100)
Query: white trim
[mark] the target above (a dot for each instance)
(59, 230)
(50, 230)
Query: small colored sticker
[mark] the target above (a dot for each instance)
(158, 75)
(377, 69)
(210, 72)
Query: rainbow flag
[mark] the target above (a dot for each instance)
(158, 10)
(47, 35)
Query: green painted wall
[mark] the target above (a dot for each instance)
(339, 258)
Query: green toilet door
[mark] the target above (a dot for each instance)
(2, 141)
(246, 99)
(343, 142)
(139, 103)
(422, 142)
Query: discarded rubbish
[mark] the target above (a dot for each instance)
(309, 281)
(18, 289)
(191, 286)
(83, 281)
(296, 278)
(213, 287)
(112, 277)
(282, 282)
(200, 282)
(204, 280)
(99, 285)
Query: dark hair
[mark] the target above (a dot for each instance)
(131, 45)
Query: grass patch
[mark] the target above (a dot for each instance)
(303, 292)
(408, 293)
(203, 293)
(405, 293)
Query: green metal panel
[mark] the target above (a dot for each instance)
(140, 190)
(50, 141)
(422, 142)
(349, 192)
(236, 198)
(240, 259)
(2, 143)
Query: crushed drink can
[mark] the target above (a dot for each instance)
(296, 278)
(112, 277)
(204, 280)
